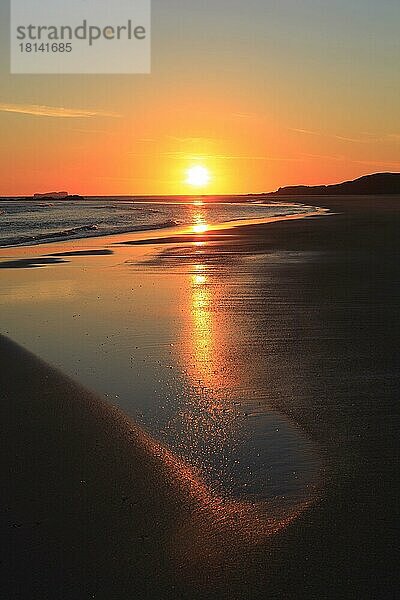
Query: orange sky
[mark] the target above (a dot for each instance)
(276, 95)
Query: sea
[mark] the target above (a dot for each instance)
(29, 222)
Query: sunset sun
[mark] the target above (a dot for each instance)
(198, 176)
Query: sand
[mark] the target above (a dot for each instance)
(94, 507)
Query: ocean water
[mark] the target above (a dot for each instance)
(24, 222)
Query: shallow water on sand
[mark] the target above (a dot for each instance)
(24, 222)
(173, 335)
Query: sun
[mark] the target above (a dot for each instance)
(198, 176)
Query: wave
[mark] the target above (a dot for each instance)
(84, 231)
(126, 206)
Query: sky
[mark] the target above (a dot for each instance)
(262, 93)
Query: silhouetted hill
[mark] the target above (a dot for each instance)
(378, 183)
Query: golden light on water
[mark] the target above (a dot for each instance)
(200, 228)
(200, 223)
(202, 334)
(199, 279)
(205, 360)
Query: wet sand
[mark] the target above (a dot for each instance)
(80, 515)
(93, 506)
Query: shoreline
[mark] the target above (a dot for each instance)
(327, 207)
(159, 230)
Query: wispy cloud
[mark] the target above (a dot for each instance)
(92, 131)
(199, 156)
(364, 138)
(190, 140)
(379, 163)
(305, 131)
(308, 156)
(38, 110)
(242, 115)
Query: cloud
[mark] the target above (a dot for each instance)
(206, 156)
(242, 115)
(305, 131)
(327, 135)
(190, 140)
(365, 138)
(39, 110)
(379, 163)
(356, 140)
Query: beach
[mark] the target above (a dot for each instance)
(240, 437)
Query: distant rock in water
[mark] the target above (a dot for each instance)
(376, 184)
(54, 196)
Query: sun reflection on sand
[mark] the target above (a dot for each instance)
(209, 419)
(206, 333)
(203, 325)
